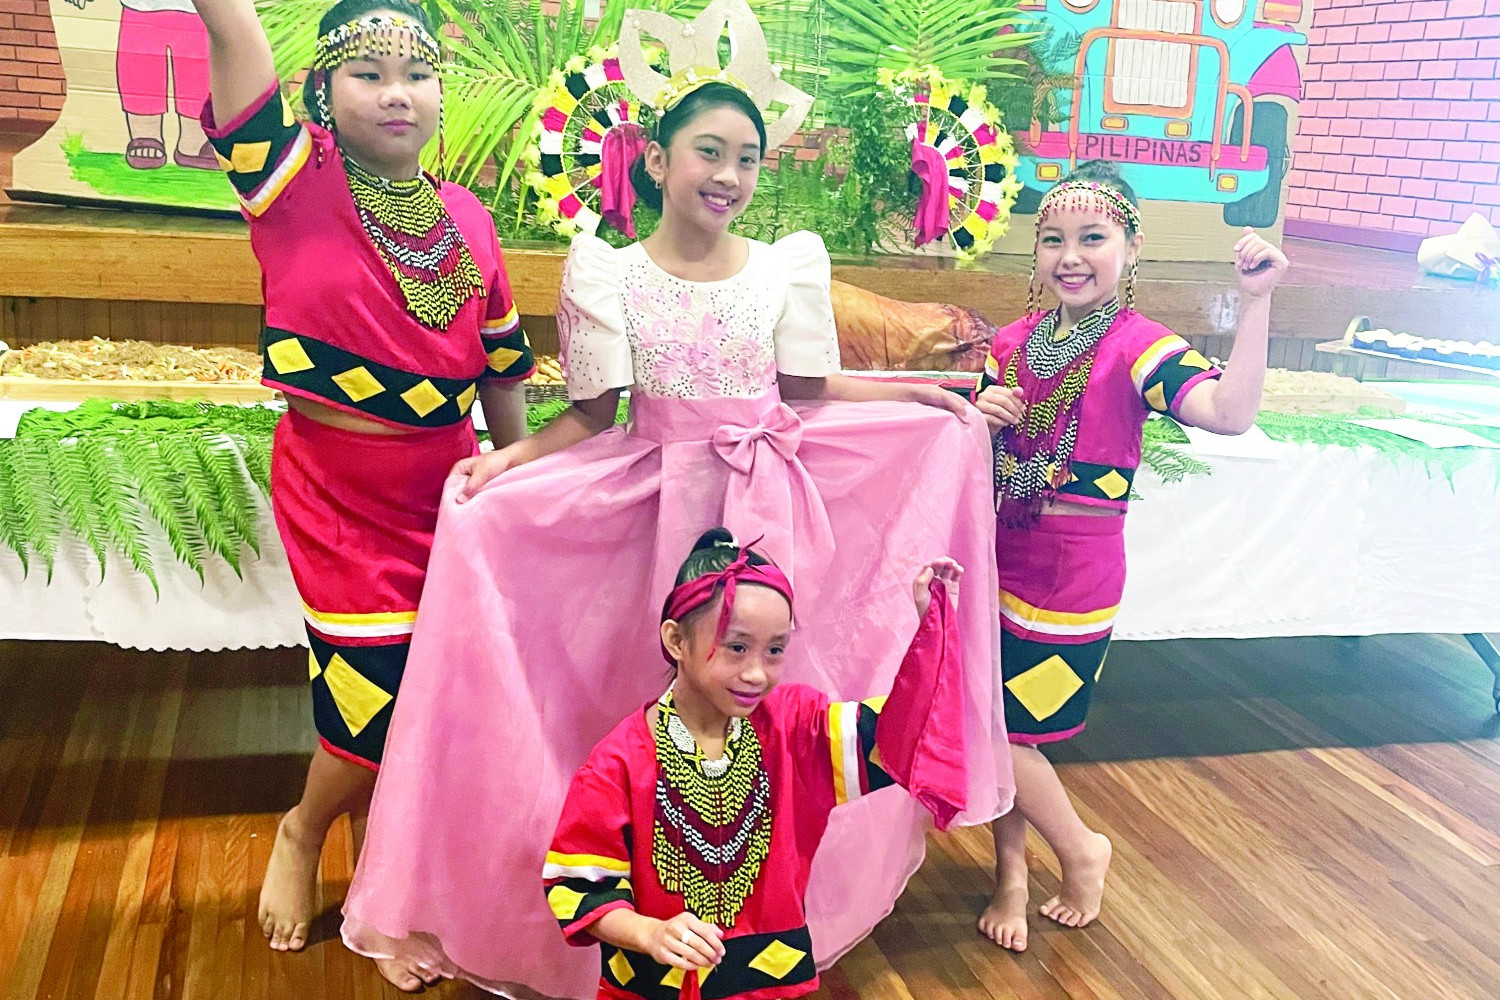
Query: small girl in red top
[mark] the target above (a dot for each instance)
(1066, 393)
(686, 842)
(388, 315)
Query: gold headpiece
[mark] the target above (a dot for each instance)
(693, 61)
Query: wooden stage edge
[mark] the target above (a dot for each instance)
(82, 258)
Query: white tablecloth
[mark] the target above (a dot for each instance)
(1313, 542)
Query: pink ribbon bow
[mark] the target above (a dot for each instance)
(617, 154)
(931, 169)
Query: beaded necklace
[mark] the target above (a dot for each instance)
(1052, 369)
(712, 828)
(419, 243)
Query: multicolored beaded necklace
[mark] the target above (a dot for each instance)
(712, 828)
(419, 243)
(1052, 369)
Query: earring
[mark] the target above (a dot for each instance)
(1033, 291)
(324, 114)
(442, 163)
(1130, 287)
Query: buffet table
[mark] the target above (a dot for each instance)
(1297, 540)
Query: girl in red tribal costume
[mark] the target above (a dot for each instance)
(388, 313)
(687, 839)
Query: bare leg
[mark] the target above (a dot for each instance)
(1083, 854)
(288, 896)
(1004, 919)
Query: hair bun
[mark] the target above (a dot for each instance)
(715, 538)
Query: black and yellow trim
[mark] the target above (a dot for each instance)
(753, 962)
(509, 354)
(1093, 481)
(353, 693)
(263, 153)
(573, 899)
(344, 378)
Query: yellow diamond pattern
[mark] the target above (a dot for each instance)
(1156, 398)
(1112, 484)
(1100, 672)
(777, 960)
(249, 157)
(358, 699)
(314, 668)
(358, 383)
(287, 118)
(673, 979)
(288, 356)
(502, 358)
(224, 164)
(1046, 687)
(1192, 359)
(466, 399)
(564, 902)
(620, 966)
(424, 397)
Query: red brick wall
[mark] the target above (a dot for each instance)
(31, 76)
(1399, 136)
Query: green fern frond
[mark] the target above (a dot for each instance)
(221, 460)
(256, 451)
(160, 491)
(118, 505)
(199, 499)
(74, 491)
(36, 508)
(11, 534)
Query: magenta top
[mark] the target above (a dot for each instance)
(1140, 366)
(337, 327)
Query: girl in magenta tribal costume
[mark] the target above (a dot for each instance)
(387, 313)
(1067, 392)
(687, 838)
(514, 677)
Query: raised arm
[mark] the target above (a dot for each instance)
(239, 57)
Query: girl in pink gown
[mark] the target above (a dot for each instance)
(550, 554)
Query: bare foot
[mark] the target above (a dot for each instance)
(406, 974)
(288, 896)
(1082, 884)
(1004, 920)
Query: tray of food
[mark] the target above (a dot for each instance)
(1363, 338)
(75, 370)
(1323, 392)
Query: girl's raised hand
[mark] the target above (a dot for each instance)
(685, 942)
(1002, 407)
(946, 571)
(1260, 264)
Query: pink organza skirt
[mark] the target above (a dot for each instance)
(537, 633)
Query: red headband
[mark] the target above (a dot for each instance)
(689, 597)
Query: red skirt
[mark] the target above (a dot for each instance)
(356, 514)
(1060, 586)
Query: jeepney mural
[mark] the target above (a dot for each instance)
(1195, 99)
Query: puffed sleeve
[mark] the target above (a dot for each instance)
(595, 352)
(807, 341)
(1167, 368)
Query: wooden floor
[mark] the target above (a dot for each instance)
(1291, 819)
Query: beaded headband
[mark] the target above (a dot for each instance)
(375, 34)
(1077, 196)
(692, 595)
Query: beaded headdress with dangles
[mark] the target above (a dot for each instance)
(406, 221)
(375, 34)
(1085, 196)
(1052, 368)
